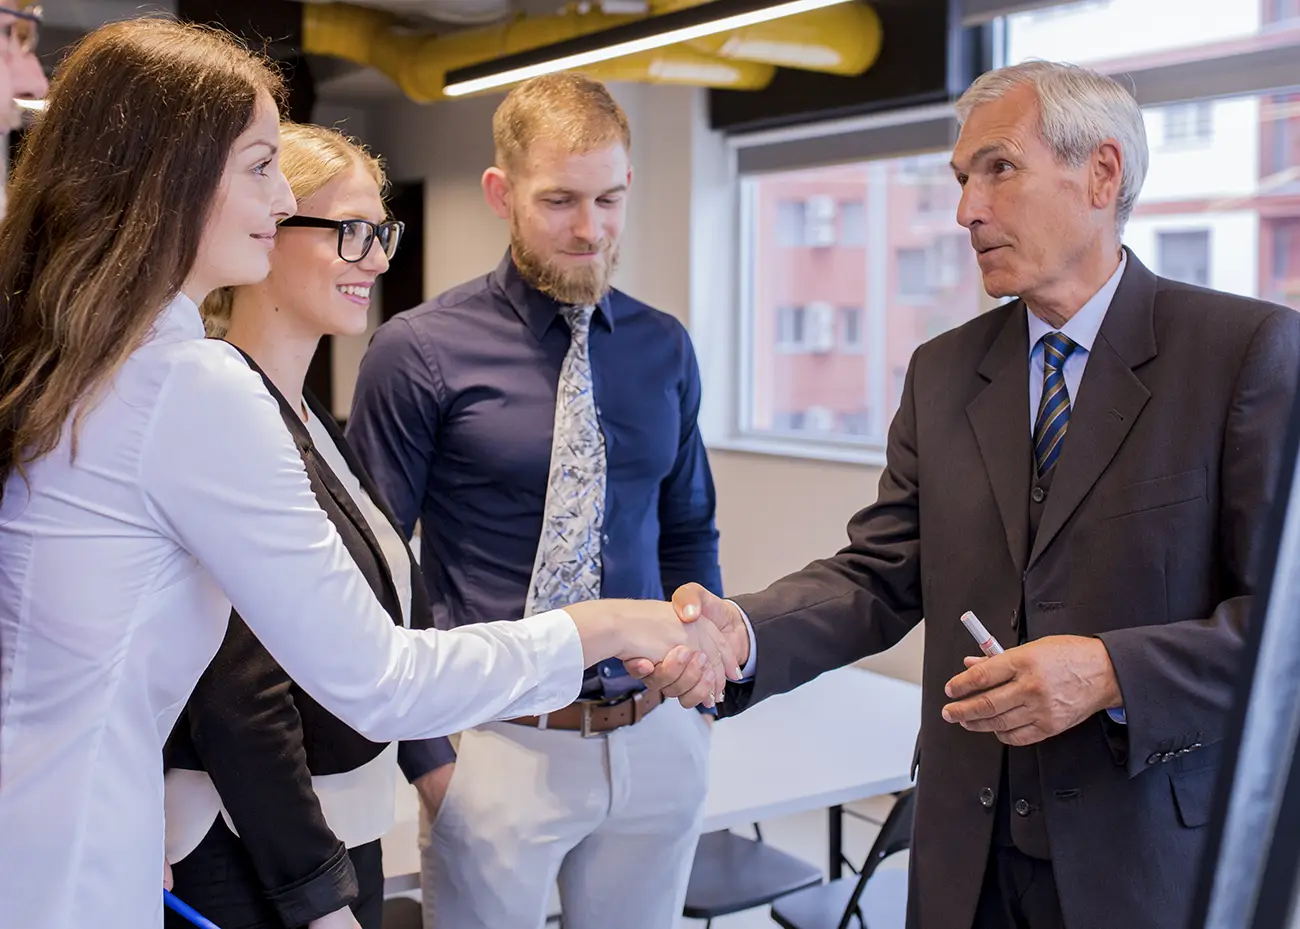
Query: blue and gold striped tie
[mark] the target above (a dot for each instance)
(1054, 408)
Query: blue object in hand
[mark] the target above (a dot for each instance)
(184, 909)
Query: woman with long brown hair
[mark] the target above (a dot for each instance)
(149, 483)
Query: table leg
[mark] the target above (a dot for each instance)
(836, 850)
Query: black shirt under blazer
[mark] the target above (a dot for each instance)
(1147, 541)
(261, 737)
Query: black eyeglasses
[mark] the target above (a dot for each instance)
(24, 32)
(355, 235)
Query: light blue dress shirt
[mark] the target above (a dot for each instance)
(1082, 329)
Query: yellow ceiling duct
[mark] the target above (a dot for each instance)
(841, 39)
(844, 39)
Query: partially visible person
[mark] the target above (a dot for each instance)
(21, 75)
(149, 483)
(19, 37)
(274, 806)
(543, 427)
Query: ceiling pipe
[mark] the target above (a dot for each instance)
(844, 39)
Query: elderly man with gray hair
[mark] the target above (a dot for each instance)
(1086, 469)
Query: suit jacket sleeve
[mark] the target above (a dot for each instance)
(1178, 679)
(247, 732)
(862, 600)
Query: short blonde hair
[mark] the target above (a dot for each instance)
(566, 107)
(310, 157)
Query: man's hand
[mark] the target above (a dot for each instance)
(1034, 691)
(645, 632)
(678, 676)
(167, 874)
(432, 787)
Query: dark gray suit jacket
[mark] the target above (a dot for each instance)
(1146, 540)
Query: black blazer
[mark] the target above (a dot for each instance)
(260, 737)
(1146, 541)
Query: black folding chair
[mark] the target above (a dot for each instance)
(733, 873)
(875, 899)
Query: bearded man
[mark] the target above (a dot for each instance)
(542, 427)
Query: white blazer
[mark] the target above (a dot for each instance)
(117, 574)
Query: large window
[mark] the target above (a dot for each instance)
(906, 278)
(847, 268)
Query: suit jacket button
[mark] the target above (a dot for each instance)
(1038, 494)
(1022, 808)
(986, 797)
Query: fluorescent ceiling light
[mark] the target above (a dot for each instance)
(642, 35)
(703, 72)
(34, 105)
(795, 54)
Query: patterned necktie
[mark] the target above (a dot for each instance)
(1054, 408)
(568, 567)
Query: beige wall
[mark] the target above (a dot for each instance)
(775, 514)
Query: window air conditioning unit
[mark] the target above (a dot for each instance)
(820, 331)
(820, 219)
(818, 419)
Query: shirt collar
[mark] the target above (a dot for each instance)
(1083, 326)
(180, 319)
(536, 309)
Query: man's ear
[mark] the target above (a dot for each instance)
(496, 190)
(1107, 174)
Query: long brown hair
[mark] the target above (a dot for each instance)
(109, 199)
(310, 157)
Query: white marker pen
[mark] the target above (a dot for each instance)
(988, 645)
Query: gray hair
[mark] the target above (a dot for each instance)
(1078, 109)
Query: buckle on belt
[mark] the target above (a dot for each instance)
(584, 724)
(586, 709)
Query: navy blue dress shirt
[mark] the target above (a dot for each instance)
(453, 417)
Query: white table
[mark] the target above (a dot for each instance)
(846, 736)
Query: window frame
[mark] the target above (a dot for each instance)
(727, 419)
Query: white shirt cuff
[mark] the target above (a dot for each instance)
(751, 664)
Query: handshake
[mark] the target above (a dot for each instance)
(688, 648)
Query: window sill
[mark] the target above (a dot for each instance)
(808, 449)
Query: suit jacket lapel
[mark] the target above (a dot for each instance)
(302, 438)
(999, 415)
(1110, 398)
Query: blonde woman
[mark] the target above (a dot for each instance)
(274, 806)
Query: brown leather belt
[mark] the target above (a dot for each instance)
(592, 717)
